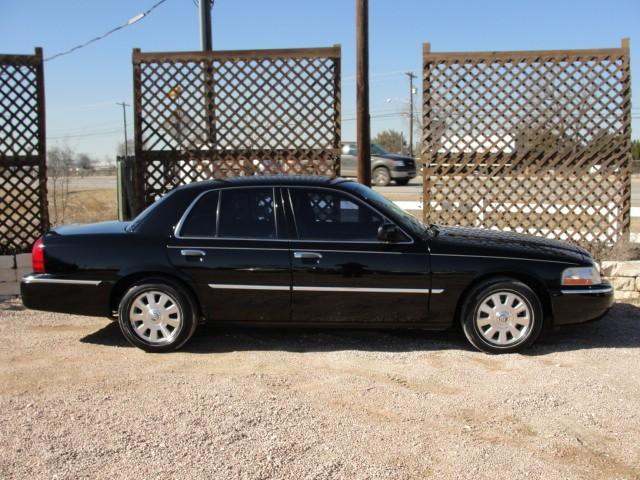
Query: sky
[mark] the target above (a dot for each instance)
(82, 88)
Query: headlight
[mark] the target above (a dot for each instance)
(581, 276)
(398, 163)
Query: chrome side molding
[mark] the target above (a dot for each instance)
(226, 286)
(60, 281)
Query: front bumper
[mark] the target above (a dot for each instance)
(573, 305)
(397, 173)
(55, 293)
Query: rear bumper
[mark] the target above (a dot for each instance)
(581, 304)
(54, 293)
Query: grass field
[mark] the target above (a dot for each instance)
(86, 206)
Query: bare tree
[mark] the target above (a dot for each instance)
(59, 166)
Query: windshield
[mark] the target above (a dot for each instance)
(135, 223)
(377, 150)
(386, 205)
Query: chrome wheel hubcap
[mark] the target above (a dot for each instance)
(155, 317)
(504, 318)
(380, 178)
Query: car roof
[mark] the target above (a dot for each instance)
(268, 180)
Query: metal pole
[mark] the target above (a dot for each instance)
(363, 127)
(124, 118)
(205, 25)
(411, 76)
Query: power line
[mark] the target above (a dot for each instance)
(91, 134)
(129, 22)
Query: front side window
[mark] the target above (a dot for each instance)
(329, 215)
(247, 213)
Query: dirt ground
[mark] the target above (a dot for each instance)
(77, 402)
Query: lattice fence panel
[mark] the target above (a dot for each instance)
(210, 115)
(23, 187)
(536, 142)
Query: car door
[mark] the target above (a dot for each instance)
(231, 243)
(342, 273)
(348, 161)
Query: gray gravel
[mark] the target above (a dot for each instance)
(77, 402)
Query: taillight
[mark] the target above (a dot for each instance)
(37, 256)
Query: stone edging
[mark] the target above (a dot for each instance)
(624, 276)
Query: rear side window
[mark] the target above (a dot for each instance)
(247, 213)
(201, 220)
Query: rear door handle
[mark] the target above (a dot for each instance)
(308, 257)
(192, 253)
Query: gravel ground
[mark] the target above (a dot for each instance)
(77, 402)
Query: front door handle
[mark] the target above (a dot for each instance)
(192, 253)
(308, 257)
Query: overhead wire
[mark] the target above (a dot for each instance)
(129, 22)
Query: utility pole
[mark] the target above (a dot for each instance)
(206, 45)
(363, 126)
(205, 25)
(411, 76)
(124, 118)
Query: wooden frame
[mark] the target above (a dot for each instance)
(531, 141)
(202, 115)
(23, 172)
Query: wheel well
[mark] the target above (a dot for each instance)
(121, 287)
(531, 282)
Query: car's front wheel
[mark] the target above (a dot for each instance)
(502, 316)
(157, 316)
(381, 177)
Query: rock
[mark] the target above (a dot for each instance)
(623, 283)
(626, 295)
(621, 269)
(23, 260)
(7, 261)
(7, 275)
(9, 288)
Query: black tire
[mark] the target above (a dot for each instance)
(493, 333)
(402, 181)
(381, 177)
(176, 294)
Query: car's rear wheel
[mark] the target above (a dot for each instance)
(381, 177)
(502, 316)
(157, 316)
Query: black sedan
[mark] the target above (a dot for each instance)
(309, 251)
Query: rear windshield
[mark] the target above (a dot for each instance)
(133, 226)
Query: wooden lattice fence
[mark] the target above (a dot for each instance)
(202, 115)
(23, 180)
(536, 142)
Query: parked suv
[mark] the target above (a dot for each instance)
(385, 166)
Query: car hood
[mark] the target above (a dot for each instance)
(102, 228)
(479, 241)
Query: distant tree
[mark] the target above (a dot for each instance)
(391, 141)
(130, 148)
(60, 161)
(635, 149)
(84, 162)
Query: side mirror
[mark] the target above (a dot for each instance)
(389, 233)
